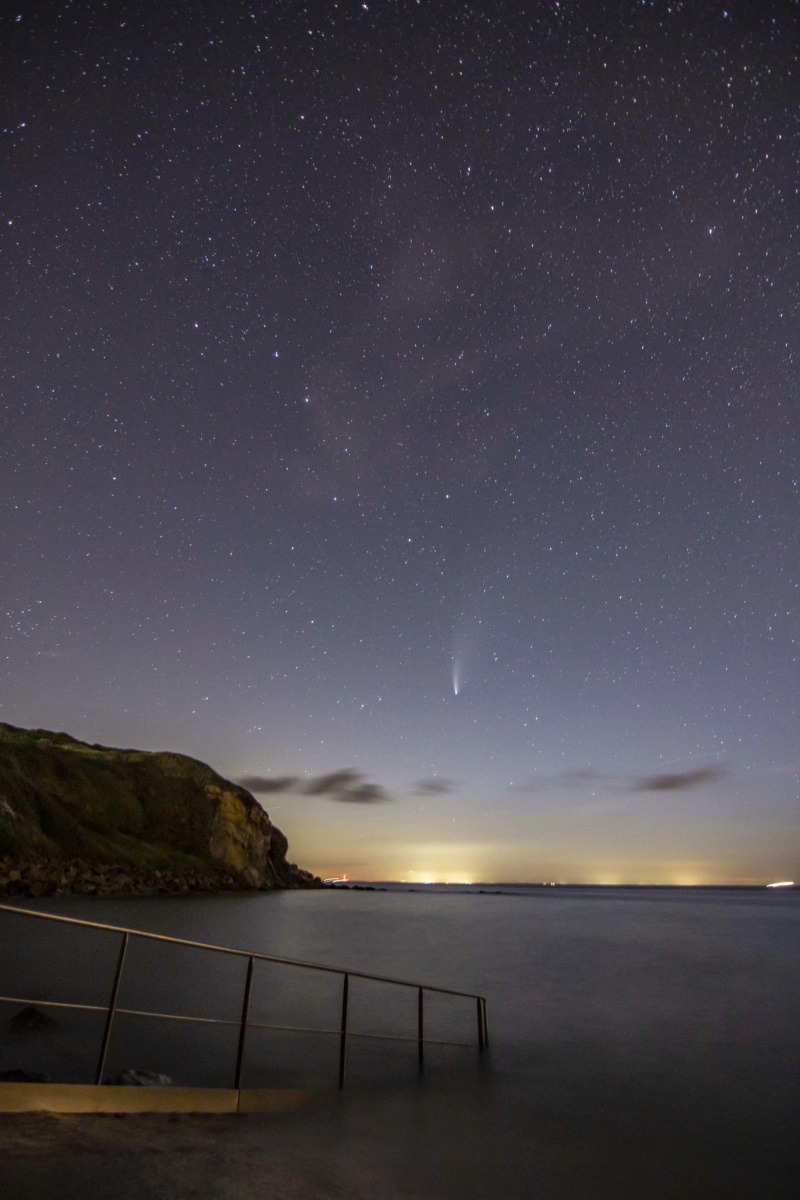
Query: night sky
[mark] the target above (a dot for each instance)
(359, 354)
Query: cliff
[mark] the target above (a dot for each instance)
(68, 808)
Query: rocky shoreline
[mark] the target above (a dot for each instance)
(51, 877)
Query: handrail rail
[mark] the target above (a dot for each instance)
(244, 1022)
(291, 962)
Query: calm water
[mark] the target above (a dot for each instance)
(644, 1043)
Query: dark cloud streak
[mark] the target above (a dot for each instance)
(264, 784)
(680, 781)
(677, 781)
(333, 783)
(362, 793)
(346, 786)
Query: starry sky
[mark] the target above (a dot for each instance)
(399, 412)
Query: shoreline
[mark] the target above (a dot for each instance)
(43, 877)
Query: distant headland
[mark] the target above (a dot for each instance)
(90, 819)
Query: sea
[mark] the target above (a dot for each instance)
(643, 1042)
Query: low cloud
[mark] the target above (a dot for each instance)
(585, 777)
(347, 787)
(679, 781)
(333, 782)
(433, 787)
(362, 793)
(264, 784)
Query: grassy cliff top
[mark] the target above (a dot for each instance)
(64, 798)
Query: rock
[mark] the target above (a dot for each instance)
(132, 1078)
(17, 1075)
(30, 1020)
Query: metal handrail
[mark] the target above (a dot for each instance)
(244, 1023)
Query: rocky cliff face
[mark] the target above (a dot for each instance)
(132, 815)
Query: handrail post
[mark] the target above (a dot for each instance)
(479, 1004)
(485, 1022)
(343, 1032)
(420, 1031)
(248, 987)
(112, 1004)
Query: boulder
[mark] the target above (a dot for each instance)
(134, 1078)
(30, 1021)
